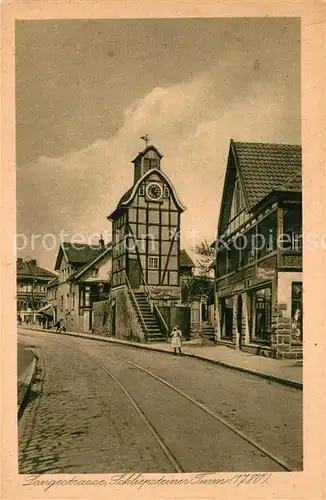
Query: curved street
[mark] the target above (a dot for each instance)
(91, 411)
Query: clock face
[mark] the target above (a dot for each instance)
(154, 191)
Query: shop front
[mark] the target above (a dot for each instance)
(262, 316)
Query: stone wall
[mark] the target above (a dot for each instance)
(283, 345)
(127, 325)
(102, 317)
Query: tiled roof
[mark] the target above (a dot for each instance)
(292, 184)
(80, 253)
(266, 167)
(185, 260)
(29, 268)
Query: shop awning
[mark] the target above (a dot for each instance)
(46, 310)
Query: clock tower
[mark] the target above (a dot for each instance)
(146, 231)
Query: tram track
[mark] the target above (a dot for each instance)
(179, 458)
(159, 439)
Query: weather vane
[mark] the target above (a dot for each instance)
(145, 138)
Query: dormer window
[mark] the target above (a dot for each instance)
(94, 273)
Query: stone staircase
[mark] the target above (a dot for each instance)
(153, 332)
(207, 331)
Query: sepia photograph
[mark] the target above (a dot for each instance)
(159, 272)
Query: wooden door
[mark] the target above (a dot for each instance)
(134, 273)
(228, 318)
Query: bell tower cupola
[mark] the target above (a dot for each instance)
(148, 159)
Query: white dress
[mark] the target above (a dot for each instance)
(176, 339)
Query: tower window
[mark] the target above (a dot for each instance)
(142, 190)
(166, 192)
(152, 262)
(150, 163)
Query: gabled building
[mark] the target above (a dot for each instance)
(186, 265)
(84, 277)
(258, 275)
(146, 229)
(32, 283)
(145, 255)
(50, 310)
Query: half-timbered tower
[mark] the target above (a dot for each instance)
(146, 249)
(146, 228)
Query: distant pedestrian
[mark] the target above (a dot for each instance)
(176, 336)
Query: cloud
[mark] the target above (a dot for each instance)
(190, 122)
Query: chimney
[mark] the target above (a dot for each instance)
(33, 262)
(19, 261)
(101, 241)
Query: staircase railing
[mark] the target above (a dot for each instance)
(134, 301)
(163, 325)
(147, 290)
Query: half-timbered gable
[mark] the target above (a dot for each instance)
(259, 249)
(146, 227)
(234, 208)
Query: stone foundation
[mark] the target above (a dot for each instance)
(283, 343)
(127, 326)
(195, 330)
(102, 318)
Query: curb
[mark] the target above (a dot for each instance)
(266, 376)
(25, 381)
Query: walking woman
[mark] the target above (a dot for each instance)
(176, 339)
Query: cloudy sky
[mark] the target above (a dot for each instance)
(87, 90)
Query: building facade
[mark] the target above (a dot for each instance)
(32, 283)
(50, 310)
(84, 277)
(145, 255)
(146, 230)
(258, 278)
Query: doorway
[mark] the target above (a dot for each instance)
(204, 312)
(226, 318)
(134, 273)
(239, 318)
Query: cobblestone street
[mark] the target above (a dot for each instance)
(79, 420)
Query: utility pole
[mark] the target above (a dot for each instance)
(33, 297)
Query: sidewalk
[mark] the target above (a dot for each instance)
(287, 372)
